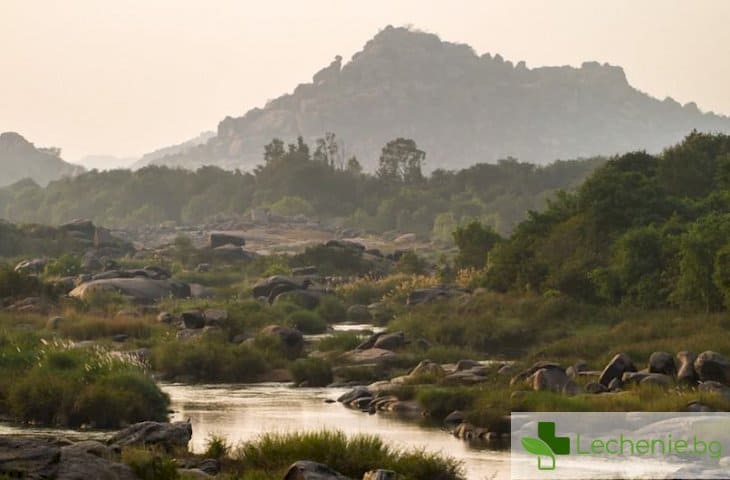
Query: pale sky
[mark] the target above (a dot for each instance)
(126, 77)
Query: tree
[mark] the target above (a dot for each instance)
(353, 166)
(274, 151)
(401, 160)
(474, 242)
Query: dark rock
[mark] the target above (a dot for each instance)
(370, 341)
(36, 265)
(662, 362)
(552, 379)
(529, 372)
(657, 380)
(615, 385)
(595, 388)
(85, 462)
(427, 368)
(139, 289)
(713, 366)
(264, 288)
(165, 435)
(120, 337)
(466, 364)
(355, 393)
(203, 267)
(618, 365)
(211, 466)
(304, 298)
(306, 470)
(454, 418)
(346, 245)
(23, 457)
(218, 239)
(391, 341)
(193, 319)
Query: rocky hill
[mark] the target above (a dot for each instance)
(20, 159)
(179, 150)
(460, 107)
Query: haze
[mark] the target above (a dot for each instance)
(125, 78)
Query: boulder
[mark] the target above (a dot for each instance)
(595, 388)
(193, 319)
(354, 394)
(390, 341)
(165, 317)
(686, 373)
(371, 355)
(715, 387)
(265, 287)
(84, 462)
(454, 418)
(662, 362)
(467, 364)
(218, 239)
(165, 435)
(657, 380)
(193, 474)
(211, 466)
(713, 366)
(306, 470)
(215, 316)
(304, 298)
(370, 341)
(85, 228)
(291, 338)
(552, 379)
(529, 372)
(427, 368)
(346, 245)
(36, 265)
(139, 289)
(203, 267)
(359, 314)
(24, 457)
(618, 365)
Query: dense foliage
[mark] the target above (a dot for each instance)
(293, 181)
(646, 230)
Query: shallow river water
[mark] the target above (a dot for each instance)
(242, 412)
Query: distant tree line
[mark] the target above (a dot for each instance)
(322, 184)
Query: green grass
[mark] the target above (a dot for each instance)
(314, 371)
(339, 342)
(271, 454)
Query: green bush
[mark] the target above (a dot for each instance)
(339, 342)
(306, 322)
(150, 465)
(64, 266)
(314, 371)
(209, 361)
(331, 309)
(216, 446)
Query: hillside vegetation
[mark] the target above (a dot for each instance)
(296, 180)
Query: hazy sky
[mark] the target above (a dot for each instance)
(125, 77)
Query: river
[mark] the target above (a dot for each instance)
(242, 412)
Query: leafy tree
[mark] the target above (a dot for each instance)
(401, 160)
(474, 241)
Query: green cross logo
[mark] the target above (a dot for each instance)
(546, 445)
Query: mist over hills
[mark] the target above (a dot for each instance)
(459, 107)
(20, 159)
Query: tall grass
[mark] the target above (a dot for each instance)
(271, 454)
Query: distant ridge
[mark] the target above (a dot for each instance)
(20, 159)
(461, 108)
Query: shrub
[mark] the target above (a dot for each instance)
(339, 341)
(64, 266)
(316, 372)
(272, 453)
(216, 446)
(331, 309)
(306, 322)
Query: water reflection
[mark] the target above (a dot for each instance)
(242, 412)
